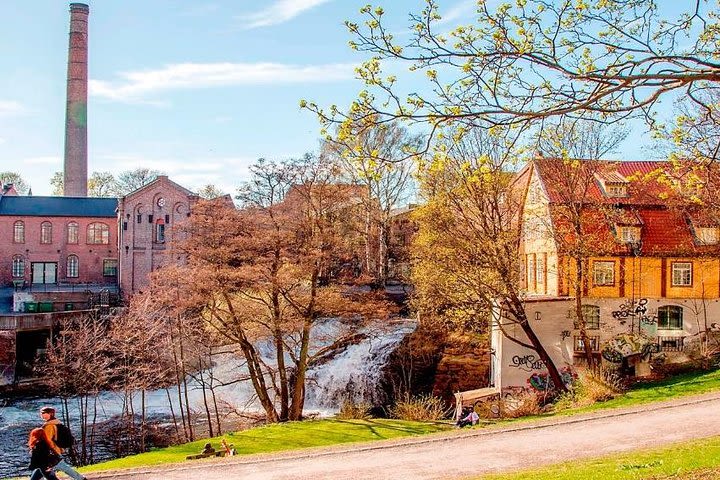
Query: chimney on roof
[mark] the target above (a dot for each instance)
(75, 172)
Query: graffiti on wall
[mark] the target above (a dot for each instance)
(527, 363)
(627, 344)
(639, 314)
(541, 381)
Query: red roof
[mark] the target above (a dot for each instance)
(666, 226)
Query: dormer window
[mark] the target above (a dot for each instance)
(706, 235)
(628, 234)
(613, 184)
(616, 190)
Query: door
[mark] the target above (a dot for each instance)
(44, 272)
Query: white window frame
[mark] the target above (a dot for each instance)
(629, 234)
(72, 266)
(601, 273)
(682, 275)
(707, 235)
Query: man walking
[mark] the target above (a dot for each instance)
(51, 429)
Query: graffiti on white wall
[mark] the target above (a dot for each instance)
(638, 312)
(626, 345)
(527, 363)
(541, 381)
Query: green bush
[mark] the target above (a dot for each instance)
(419, 408)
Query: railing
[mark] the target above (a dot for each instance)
(37, 321)
(671, 344)
(67, 287)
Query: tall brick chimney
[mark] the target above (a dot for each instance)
(75, 173)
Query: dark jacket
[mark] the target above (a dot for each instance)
(43, 457)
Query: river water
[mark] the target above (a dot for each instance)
(353, 373)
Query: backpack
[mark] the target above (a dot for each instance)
(64, 436)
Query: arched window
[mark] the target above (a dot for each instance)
(19, 232)
(72, 233)
(98, 233)
(46, 232)
(670, 317)
(18, 266)
(73, 266)
(159, 231)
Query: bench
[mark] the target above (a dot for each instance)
(469, 398)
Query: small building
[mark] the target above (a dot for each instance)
(148, 220)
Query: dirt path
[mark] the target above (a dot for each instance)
(457, 455)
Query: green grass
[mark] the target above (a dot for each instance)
(686, 384)
(283, 437)
(696, 459)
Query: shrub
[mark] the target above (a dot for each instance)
(599, 386)
(419, 408)
(354, 411)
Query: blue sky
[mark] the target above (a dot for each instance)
(197, 89)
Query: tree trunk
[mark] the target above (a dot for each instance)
(587, 347)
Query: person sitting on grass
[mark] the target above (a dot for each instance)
(471, 418)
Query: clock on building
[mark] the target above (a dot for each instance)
(161, 202)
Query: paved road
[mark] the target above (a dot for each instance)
(460, 454)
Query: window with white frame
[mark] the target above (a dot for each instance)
(73, 266)
(629, 234)
(616, 190)
(46, 232)
(72, 233)
(707, 235)
(98, 233)
(540, 269)
(18, 266)
(19, 232)
(604, 273)
(681, 274)
(670, 317)
(531, 272)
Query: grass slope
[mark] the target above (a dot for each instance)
(283, 437)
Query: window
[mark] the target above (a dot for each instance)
(670, 317)
(19, 232)
(46, 232)
(531, 272)
(579, 346)
(98, 233)
(616, 190)
(629, 234)
(604, 273)
(707, 235)
(18, 266)
(540, 270)
(591, 315)
(72, 233)
(73, 264)
(681, 274)
(159, 232)
(110, 267)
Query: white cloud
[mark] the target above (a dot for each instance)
(9, 107)
(279, 12)
(460, 11)
(134, 85)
